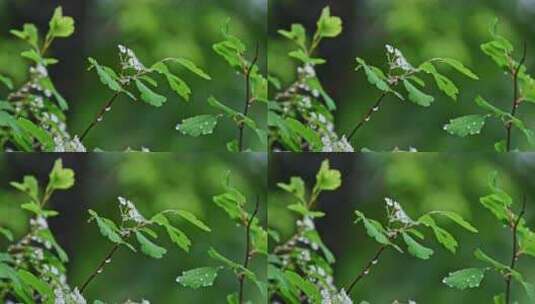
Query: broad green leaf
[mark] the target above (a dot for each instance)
(233, 299)
(417, 96)
(29, 186)
(305, 58)
(373, 228)
(176, 235)
(177, 84)
(36, 132)
(416, 249)
(218, 105)
(497, 205)
(29, 34)
(149, 248)
(297, 34)
(149, 96)
(328, 26)
(231, 52)
(529, 288)
(466, 125)
(443, 83)
(192, 67)
(6, 81)
(105, 76)
(190, 217)
(7, 234)
(527, 241)
(308, 288)
(60, 26)
(311, 137)
(375, 78)
(60, 178)
(47, 236)
(499, 299)
(40, 286)
(327, 178)
(198, 125)
(457, 219)
(499, 51)
(465, 278)
(107, 227)
(442, 235)
(459, 67)
(296, 187)
(198, 277)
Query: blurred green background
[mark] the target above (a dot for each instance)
(154, 182)
(154, 29)
(422, 29)
(419, 182)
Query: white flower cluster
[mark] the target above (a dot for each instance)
(66, 144)
(129, 59)
(331, 144)
(143, 301)
(398, 60)
(335, 298)
(68, 297)
(129, 211)
(398, 214)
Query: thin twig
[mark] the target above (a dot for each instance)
(99, 116)
(368, 115)
(247, 97)
(515, 256)
(366, 269)
(247, 257)
(98, 270)
(516, 99)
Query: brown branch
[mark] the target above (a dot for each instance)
(247, 258)
(366, 269)
(99, 116)
(515, 256)
(516, 100)
(247, 97)
(368, 115)
(99, 269)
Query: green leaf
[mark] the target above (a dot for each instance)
(375, 76)
(327, 178)
(305, 58)
(60, 26)
(29, 186)
(499, 299)
(466, 125)
(304, 211)
(199, 277)
(29, 34)
(198, 125)
(306, 133)
(60, 178)
(149, 96)
(417, 96)
(218, 105)
(42, 287)
(416, 249)
(328, 26)
(296, 187)
(176, 235)
(373, 228)
(177, 84)
(149, 248)
(107, 227)
(36, 132)
(482, 103)
(192, 67)
(458, 220)
(297, 34)
(308, 288)
(6, 233)
(465, 278)
(6, 81)
(106, 77)
(459, 67)
(443, 83)
(480, 255)
(442, 235)
(190, 217)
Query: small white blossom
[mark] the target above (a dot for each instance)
(398, 214)
(129, 211)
